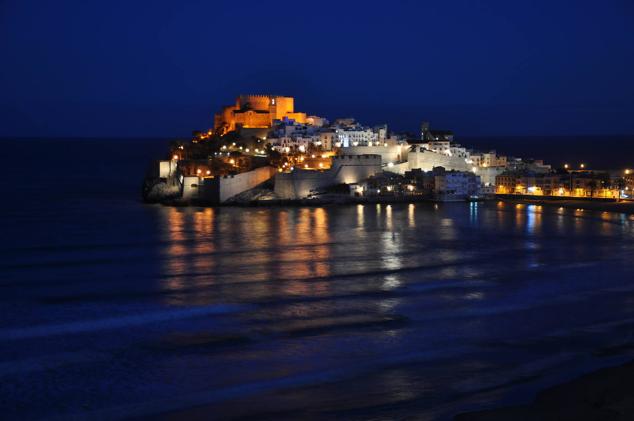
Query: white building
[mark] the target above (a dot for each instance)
(285, 144)
(327, 139)
(447, 147)
(458, 185)
(355, 137)
(488, 159)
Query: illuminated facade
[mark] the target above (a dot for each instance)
(568, 185)
(257, 111)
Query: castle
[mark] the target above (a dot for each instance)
(256, 112)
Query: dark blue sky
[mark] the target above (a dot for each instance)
(162, 68)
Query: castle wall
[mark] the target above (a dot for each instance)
(256, 102)
(282, 106)
(233, 185)
(252, 119)
(167, 168)
(299, 183)
(263, 110)
(427, 160)
(347, 169)
(190, 187)
(298, 117)
(352, 169)
(390, 153)
(220, 189)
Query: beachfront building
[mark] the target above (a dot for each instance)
(569, 184)
(455, 185)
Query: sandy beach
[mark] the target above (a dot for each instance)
(606, 394)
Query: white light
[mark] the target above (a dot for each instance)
(390, 164)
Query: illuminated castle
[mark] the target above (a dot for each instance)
(256, 112)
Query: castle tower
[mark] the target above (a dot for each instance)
(424, 129)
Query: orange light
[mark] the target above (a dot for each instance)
(175, 157)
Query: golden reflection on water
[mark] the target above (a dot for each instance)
(310, 258)
(533, 219)
(174, 263)
(360, 218)
(291, 251)
(203, 228)
(388, 217)
(291, 246)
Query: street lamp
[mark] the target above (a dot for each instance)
(582, 166)
(566, 166)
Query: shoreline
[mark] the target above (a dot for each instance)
(331, 200)
(623, 206)
(603, 394)
(626, 207)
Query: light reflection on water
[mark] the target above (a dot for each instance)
(355, 307)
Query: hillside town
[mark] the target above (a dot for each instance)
(261, 149)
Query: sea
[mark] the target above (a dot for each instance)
(111, 308)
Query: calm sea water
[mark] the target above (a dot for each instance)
(112, 308)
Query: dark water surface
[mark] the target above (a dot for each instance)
(112, 308)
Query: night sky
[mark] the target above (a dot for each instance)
(162, 68)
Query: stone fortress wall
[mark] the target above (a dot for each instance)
(221, 189)
(425, 160)
(257, 111)
(349, 169)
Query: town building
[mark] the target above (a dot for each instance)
(455, 185)
(487, 159)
